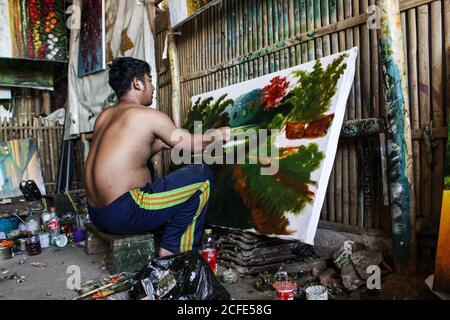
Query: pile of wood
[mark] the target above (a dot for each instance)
(253, 254)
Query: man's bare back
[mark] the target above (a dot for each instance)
(119, 155)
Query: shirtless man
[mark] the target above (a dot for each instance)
(122, 198)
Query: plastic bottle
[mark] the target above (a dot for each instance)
(209, 251)
(45, 217)
(32, 223)
(53, 225)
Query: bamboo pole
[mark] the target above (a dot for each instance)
(438, 110)
(399, 144)
(175, 76)
(424, 100)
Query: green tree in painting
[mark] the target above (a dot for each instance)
(270, 197)
(211, 115)
(310, 99)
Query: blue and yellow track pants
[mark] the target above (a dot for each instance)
(180, 199)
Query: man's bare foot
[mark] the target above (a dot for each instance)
(164, 253)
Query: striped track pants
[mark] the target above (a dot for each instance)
(179, 200)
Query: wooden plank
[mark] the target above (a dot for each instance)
(317, 25)
(411, 39)
(304, 46)
(437, 105)
(352, 229)
(424, 100)
(310, 27)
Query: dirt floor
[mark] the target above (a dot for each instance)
(48, 279)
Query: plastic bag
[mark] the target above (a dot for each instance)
(180, 277)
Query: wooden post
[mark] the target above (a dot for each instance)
(46, 102)
(175, 76)
(399, 140)
(442, 267)
(151, 11)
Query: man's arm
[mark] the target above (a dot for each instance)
(166, 130)
(158, 145)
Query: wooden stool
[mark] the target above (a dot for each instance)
(125, 253)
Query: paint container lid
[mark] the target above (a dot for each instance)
(61, 241)
(7, 243)
(285, 285)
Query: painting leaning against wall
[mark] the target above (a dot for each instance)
(19, 161)
(306, 105)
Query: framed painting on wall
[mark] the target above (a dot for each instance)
(92, 52)
(26, 74)
(33, 29)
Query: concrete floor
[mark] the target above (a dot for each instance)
(50, 282)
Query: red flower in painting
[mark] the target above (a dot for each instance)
(275, 92)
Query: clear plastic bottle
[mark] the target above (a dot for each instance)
(32, 224)
(45, 217)
(53, 225)
(209, 251)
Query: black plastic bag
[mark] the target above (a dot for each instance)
(180, 277)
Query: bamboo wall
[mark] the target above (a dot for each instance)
(244, 39)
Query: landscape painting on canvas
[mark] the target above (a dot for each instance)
(19, 161)
(302, 110)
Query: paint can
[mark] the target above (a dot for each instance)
(6, 250)
(285, 289)
(45, 240)
(316, 293)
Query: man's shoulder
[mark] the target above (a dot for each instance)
(143, 113)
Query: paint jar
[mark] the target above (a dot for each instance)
(285, 289)
(6, 250)
(45, 240)
(34, 245)
(316, 293)
(20, 246)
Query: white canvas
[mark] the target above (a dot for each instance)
(179, 12)
(302, 224)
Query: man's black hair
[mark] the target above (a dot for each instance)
(122, 72)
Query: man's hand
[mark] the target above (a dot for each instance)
(225, 133)
(159, 145)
